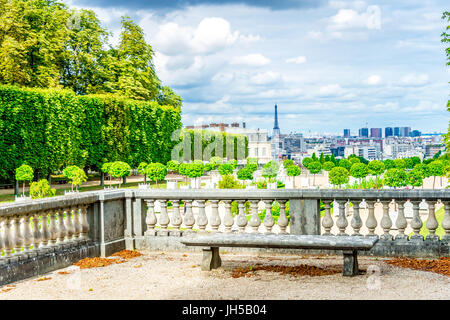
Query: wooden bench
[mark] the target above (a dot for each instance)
(348, 244)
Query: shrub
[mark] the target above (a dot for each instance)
(215, 162)
(328, 165)
(41, 189)
(173, 165)
(287, 163)
(229, 182)
(344, 163)
(75, 175)
(261, 184)
(225, 169)
(245, 174)
(270, 169)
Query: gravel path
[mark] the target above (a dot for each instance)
(177, 275)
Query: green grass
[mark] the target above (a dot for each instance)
(439, 231)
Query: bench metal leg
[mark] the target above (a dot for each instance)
(350, 267)
(211, 259)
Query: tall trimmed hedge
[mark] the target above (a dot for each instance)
(50, 129)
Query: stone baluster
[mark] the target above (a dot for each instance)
(78, 228)
(3, 236)
(356, 222)
(432, 223)
(341, 221)
(401, 223)
(62, 230)
(18, 240)
(268, 219)
(9, 237)
(215, 218)
(386, 222)
(327, 221)
(228, 220)
(41, 235)
(150, 219)
(189, 219)
(241, 219)
(53, 229)
(282, 219)
(255, 221)
(176, 219)
(26, 233)
(84, 235)
(446, 221)
(163, 219)
(416, 222)
(69, 226)
(371, 222)
(202, 219)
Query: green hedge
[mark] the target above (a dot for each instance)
(50, 129)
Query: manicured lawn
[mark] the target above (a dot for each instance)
(439, 231)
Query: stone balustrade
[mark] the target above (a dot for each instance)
(54, 232)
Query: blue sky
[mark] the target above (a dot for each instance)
(328, 65)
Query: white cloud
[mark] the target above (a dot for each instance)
(267, 77)
(212, 34)
(414, 79)
(330, 90)
(373, 79)
(351, 19)
(255, 59)
(297, 60)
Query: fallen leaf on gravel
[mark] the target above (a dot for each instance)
(7, 289)
(43, 279)
(90, 289)
(184, 255)
(441, 265)
(127, 254)
(138, 265)
(63, 272)
(94, 262)
(300, 270)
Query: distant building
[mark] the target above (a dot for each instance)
(405, 131)
(388, 132)
(397, 132)
(364, 132)
(276, 128)
(415, 133)
(346, 133)
(376, 132)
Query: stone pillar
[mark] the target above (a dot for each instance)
(356, 222)
(327, 221)
(304, 216)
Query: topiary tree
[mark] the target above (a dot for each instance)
(338, 176)
(400, 163)
(195, 170)
(156, 172)
(359, 171)
(229, 182)
(435, 169)
(306, 162)
(376, 167)
(233, 162)
(225, 169)
(183, 170)
(120, 169)
(24, 173)
(41, 189)
(314, 167)
(270, 170)
(252, 164)
(353, 159)
(106, 168)
(395, 177)
(245, 174)
(344, 163)
(215, 162)
(389, 164)
(173, 165)
(415, 160)
(75, 175)
(293, 171)
(328, 165)
(415, 178)
(141, 170)
(287, 163)
(409, 164)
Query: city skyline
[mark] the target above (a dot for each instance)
(234, 60)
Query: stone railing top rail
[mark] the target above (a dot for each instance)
(239, 194)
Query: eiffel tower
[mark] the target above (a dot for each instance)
(276, 128)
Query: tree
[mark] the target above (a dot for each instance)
(173, 165)
(435, 169)
(314, 157)
(252, 164)
(225, 169)
(338, 176)
(415, 160)
(287, 163)
(400, 164)
(344, 163)
(353, 159)
(321, 158)
(183, 169)
(306, 162)
(195, 170)
(75, 175)
(245, 174)
(41, 189)
(396, 178)
(359, 171)
(293, 171)
(24, 173)
(314, 168)
(233, 162)
(270, 170)
(215, 162)
(333, 159)
(409, 164)
(168, 97)
(415, 178)
(376, 167)
(389, 164)
(141, 170)
(120, 169)
(156, 172)
(328, 165)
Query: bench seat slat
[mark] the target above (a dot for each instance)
(282, 241)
